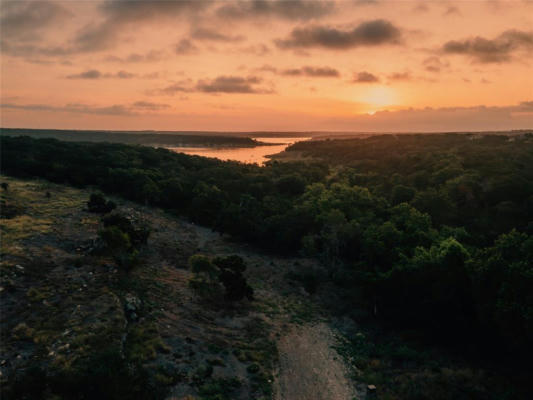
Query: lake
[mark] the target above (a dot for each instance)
(249, 155)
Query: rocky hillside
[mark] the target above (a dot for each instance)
(71, 317)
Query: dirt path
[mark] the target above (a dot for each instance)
(310, 369)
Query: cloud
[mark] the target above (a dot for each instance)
(123, 14)
(434, 64)
(90, 74)
(149, 106)
(179, 87)
(365, 77)
(451, 10)
(400, 76)
(421, 8)
(96, 74)
(316, 72)
(477, 118)
(220, 84)
(184, 47)
(256, 49)
(78, 108)
(231, 84)
(151, 56)
(212, 35)
(497, 50)
(284, 9)
(366, 2)
(22, 20)
(369, 33)
(72, 108)
(119, 16)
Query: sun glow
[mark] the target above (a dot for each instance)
(380, 96)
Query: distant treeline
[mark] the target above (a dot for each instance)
(428, 232)
(142, 138)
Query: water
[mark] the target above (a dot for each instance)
(249, 155)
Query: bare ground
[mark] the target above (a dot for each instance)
(310, 368)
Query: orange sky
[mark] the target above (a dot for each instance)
(358, 65)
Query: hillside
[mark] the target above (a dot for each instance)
(76, 325)
(67, 313)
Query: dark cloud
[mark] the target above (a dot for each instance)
(184, 47)
(220, 84)
(22, 20)
(316, 72)
(119, 16)
(497, 50)
(369, 33)
(400, 76)
(90, 74)
(212, 35)
(96, 74)
(285, 9)
(122, 14)
(231, 84)
(365, 77)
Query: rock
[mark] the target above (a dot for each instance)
(371, 391)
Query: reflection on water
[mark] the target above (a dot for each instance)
(243, 154)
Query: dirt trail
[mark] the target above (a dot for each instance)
(310, 369)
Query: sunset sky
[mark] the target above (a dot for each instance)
(358, 65)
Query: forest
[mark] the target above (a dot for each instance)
(432, 233)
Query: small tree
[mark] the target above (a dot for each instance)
(204, 281)
(231, 269)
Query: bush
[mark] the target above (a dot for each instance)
(231, 269)
(115, 239)
(98, 204)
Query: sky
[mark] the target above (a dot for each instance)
(265, 65)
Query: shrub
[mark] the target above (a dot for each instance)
(98, 204)
(231, 269)
(115, 239)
